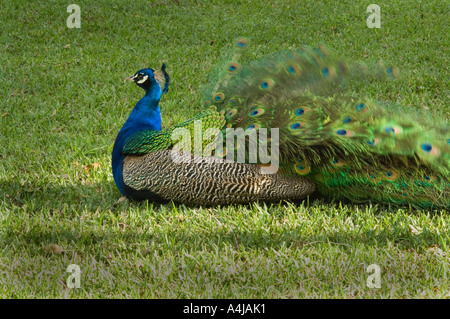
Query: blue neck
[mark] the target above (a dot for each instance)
(146, 115)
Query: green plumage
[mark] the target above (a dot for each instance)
(148, 141)
(350, 147)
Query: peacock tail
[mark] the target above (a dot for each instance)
(353, 148)
(349, 147)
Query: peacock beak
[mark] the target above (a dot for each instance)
(130, 78)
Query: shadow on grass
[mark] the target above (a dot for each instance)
(40, 196)
(100, 202)
(170, 244)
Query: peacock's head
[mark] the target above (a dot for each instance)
(148, 78)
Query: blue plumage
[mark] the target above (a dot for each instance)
(146, 115)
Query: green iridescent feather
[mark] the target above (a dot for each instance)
(148, 141)
(351, 147)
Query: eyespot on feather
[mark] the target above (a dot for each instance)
(233, 67)
(374, 177)
(348, 119)
(430, 178)
(219, 97)
(392, 129)
(429, 149)
(361, 107)
(293, 69)
(242, 42)
(336, 162)
(390, 175)
(267, 84)
(234, 101)
(373, 141)
(296, 126)
(253, 127)
(230, 113)
(256, 112)
(344, 133)
(302, 169)
(392, 72)
(301, 111)
(329, 72)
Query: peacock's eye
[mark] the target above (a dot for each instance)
(140, 78)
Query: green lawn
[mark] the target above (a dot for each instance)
(63, 100)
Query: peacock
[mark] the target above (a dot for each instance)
(294, 104)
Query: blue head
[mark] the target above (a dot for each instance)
(146, 114)
(151, 80)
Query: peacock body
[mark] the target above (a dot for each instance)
(347, 147)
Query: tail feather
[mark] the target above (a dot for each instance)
(351, 147)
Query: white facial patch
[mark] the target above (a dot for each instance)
(143, 79)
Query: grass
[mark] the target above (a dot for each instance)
(63, 100)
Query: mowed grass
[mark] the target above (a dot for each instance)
(63, 100)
